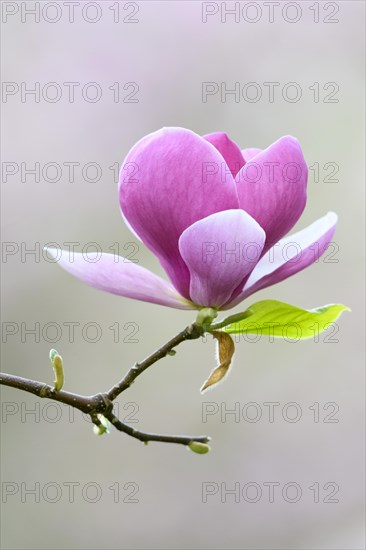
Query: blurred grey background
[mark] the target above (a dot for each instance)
(167, 50)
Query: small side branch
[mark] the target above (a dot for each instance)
(190, 333)
(146, 436)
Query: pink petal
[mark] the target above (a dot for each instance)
(228, 149)
(266, 192)
(178, 181)
(117, 275)
(289, 256)
(220, 251)
(250, 153)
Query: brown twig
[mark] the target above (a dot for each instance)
(102, 403)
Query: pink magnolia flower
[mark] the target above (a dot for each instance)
(216, 218)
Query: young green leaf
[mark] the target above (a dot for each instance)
(273, 318)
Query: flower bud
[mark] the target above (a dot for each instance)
(199, 448)
(58, 368)
(205, 316)
(103, 427)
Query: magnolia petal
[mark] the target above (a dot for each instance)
(119, 276)
(228, 149)
(250, 153)
(169, 180)
(289, 256)
(225, 352)
(220, 251)
(272, 188)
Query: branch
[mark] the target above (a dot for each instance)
(190, 333)
(102, 403)
(146, 437)
(85, 404)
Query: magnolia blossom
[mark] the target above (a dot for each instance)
(216, 218)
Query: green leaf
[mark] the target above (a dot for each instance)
(273, 318)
